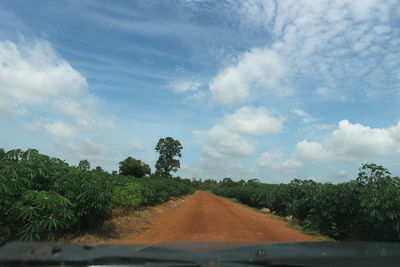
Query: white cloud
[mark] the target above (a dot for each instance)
(342, 43)
(313, 151)
(256, 69)
(269, 159)
(350, 143)
(60, 129)
(307, 118)
(253, 121)
(272, 160)
(83, 110)
(221, 141)
(31, 74)
(328, 93)
(231, 136)
(183, 86)
(34, 75)
(94, 151)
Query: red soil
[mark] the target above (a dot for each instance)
(206, 217)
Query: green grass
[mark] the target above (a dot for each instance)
(144, 229)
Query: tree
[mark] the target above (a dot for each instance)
(84, 165)
(227, 182)
(134, 167)
(168, 148)
(98, 169)
(371, 173)
(2, 153)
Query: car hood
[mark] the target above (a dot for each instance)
(205, 254)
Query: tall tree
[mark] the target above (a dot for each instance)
(168, 148)
(84, 165)
(98, 169)
(134, 167)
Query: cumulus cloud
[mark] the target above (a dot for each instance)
(221, 141)
(231, 136)
(273, 160)
(31, 74)
(269, 159)
(253, 121)
(313, 151)
(39, 83)
(257, 68)
(350, 143)
(35, 75)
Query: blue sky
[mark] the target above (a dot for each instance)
(268, 89)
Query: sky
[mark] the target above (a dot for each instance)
(263, 89)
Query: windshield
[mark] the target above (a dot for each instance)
(143, 122)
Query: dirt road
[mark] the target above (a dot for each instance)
(206, 217)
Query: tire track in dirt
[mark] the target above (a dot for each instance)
(206, 217)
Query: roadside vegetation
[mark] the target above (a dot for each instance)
(366, 208)
(43, 198)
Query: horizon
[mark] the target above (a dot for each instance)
(252, 89)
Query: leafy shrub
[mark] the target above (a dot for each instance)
(128, 196)
(39, 170)
(28, 209)
(91, 193)
(42, 215)
(367, 208)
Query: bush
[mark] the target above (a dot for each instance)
(28, 208)
(41, 215)
(42, 197)
(91, 193)
(367, 208)
(128, 196)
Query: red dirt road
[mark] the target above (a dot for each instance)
(206, 217)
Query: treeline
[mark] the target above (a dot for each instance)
(42, 198)
(366, 208)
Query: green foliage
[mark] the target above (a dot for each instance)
(367, 208)
(128, 196)
(99, 169)
(168, 148)
(39, 170)
(91, 192)
(41, 215)
(42, 198)
(149, 191)
(28, 208)
(156, 190)
(2, 153)
(134, 167)
(84, 165)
